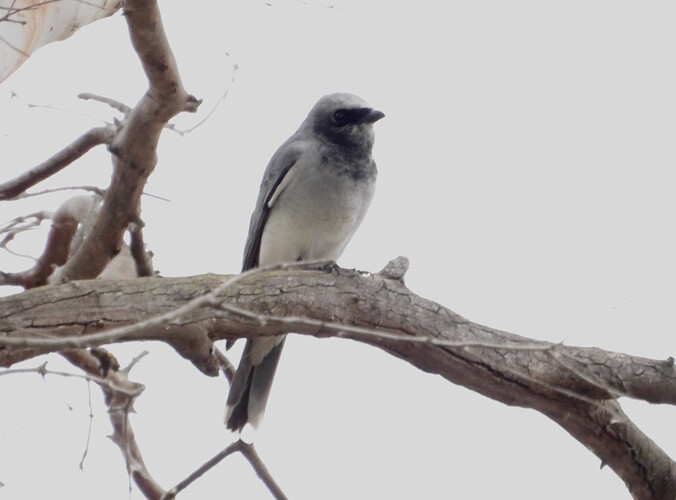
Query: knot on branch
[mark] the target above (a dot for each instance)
(192, 103)
(395, 269)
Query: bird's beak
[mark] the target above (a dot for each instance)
(371, 116)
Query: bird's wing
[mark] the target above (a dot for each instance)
(275, 179)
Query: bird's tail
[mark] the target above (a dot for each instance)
(251, 385)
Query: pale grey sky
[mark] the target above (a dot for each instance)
(526, 169)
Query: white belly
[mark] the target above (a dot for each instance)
(315, 216)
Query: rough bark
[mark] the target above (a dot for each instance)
(134, 146)
(574, 386)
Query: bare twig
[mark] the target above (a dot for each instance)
(121, 107)
(90, 377)
(113, 103)
(94, 137)
(249, 452)
(208, 465)
(25, 222)
(89, 427)
(68, 111)
(134, 362)
(92, 189)
(182, 132)
(21, 224)
(262, 471)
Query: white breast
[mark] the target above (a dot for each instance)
(313, 214)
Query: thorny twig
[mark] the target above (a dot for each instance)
(120, 404)
(89, 429)
(90, 377)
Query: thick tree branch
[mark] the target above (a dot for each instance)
(574, 386)
(134, 147)
(343, 303)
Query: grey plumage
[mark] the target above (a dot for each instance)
(315, 193)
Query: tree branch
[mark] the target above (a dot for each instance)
(137, 246)
(134, 147)
(249, 452)
(94, 137)
(574, 386)
(65, 222)
(119, 395)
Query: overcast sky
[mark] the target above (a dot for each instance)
(526, 169)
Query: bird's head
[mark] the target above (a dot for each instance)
(344, 120)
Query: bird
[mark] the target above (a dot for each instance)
(314, 194)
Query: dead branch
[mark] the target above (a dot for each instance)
(206, 466)
(578, 393)
(119, 401)
(213, 109)
(113, 103)
(65, 222)
(94, 137)
(92, 189)
(22, 224)
(248, 451)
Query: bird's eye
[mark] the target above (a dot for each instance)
(340, 117)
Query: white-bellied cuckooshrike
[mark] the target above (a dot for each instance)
(315, 193)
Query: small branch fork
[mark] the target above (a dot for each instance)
(14, 188)
(248, 451)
